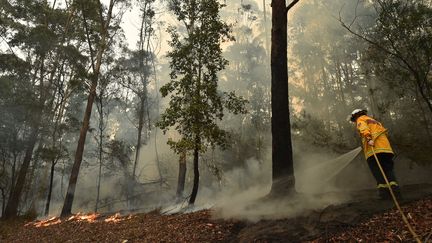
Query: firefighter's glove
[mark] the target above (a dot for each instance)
(371, 143)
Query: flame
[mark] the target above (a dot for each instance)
(117, 218)
(90, 218)
(45, 223)
(114, 219)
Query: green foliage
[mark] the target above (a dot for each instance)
(195, 103)
(401, 47)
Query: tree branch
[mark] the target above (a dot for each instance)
(291, 5)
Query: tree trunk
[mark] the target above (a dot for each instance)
(100, 145)
(67, 206)
(13, 202)
(196, 171)
(99, 181)
(3, 193)
(140, 128)
(181, 176)
(13, 171)
(47, 206)
(282, 168)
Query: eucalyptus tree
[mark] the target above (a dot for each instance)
(195, 104)
(282, 160)
(99, 23)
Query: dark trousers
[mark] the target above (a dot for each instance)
(386, 161)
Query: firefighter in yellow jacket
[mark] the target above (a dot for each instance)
(373, 134)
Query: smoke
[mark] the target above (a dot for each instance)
(322, 172)
(315, 175)
(238, 187)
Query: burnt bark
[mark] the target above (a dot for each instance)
(282, 167)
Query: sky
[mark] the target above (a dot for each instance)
(131, 21)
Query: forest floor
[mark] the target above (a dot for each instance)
(364, 220)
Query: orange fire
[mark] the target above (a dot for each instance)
(90, 218)
(114, 219)
(84, 217)
(45, 223)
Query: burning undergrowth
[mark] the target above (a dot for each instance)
(149, 227)
(80, 217)
(369, 221)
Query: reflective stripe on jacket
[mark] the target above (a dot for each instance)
(371, 129)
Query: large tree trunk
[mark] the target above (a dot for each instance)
(283, 170)
(181, 176)
(196, 171)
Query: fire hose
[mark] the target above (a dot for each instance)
(404, 218)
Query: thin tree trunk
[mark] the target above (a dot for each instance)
(47, 206)
(3, 193)
(140, 128)
(13, 172)
(282, 167)
(196, 171)
(99, 180)
(181, 176)
(100, 144)
(143, 78)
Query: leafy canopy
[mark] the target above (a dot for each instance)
(196, 104)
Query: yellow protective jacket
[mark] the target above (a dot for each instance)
(371, 129)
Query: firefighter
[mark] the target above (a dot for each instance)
(373, 134)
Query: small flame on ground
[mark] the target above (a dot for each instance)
(84, 217)
(117, 218)
(90, 218)
(114, 219)
(45, 223)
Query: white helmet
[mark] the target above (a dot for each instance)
(355, 113)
